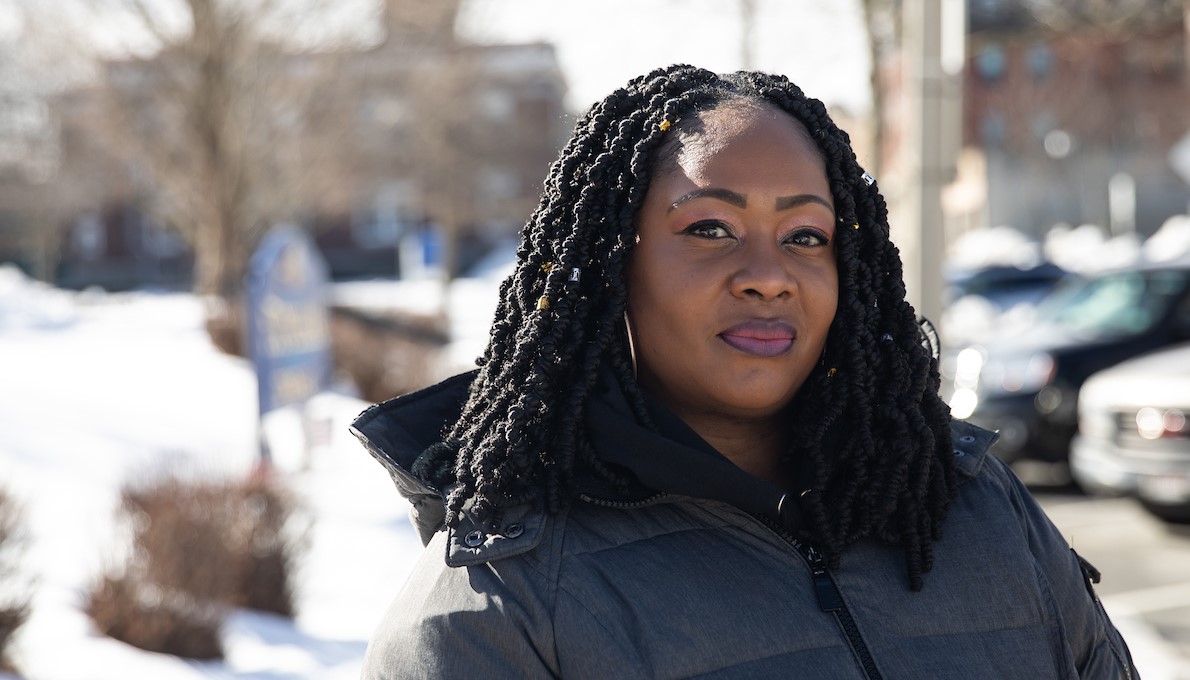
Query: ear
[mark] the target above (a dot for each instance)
(928, 337)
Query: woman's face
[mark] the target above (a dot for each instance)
(733, 285)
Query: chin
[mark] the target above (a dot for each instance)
(754, 405)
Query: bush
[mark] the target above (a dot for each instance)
(141, 614)
(387, 355)
(14, 608)
(198, 549)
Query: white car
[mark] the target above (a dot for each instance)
(1134, 432)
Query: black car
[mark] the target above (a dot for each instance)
(1026, 385)
(1004, 286)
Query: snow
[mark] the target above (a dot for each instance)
(1085, 249)
(98, 390)
(998, 245)
(1171, 241)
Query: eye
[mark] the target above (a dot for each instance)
(807, 237)
(708, 229)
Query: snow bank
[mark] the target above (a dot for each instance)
(99, 390)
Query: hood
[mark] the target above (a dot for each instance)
(1159, 379)
(670, 460)
(674, 459)
(397, 431)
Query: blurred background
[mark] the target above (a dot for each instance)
(163, 164)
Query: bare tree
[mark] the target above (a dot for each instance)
(882, 23)
(446, 141)
(225, 124)
(30, 147)
(217, 127)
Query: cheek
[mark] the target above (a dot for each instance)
(831, 311)
(649, 308)
(646, 284)
(825, 303)
(823, 277)
(664, 319)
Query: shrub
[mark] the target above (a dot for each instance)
(387, 355)
(132, 610)
(198, 549)
(14, 606)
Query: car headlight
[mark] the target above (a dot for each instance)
(968, 364)
(1019, 374)
(963, 403)
(1153, 423)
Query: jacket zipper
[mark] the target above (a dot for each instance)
(830, 600)
(623, 505)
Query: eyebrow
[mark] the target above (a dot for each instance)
(787, 202)
(741, 201)
(725, 195)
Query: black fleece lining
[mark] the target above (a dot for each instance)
(674, 459)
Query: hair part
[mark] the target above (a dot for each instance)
(873, 433)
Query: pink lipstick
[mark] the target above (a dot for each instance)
(762, 338)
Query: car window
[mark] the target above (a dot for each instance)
(1005, 286)
(1181, 322)
(1120, 303)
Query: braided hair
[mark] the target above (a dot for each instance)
(872, 432)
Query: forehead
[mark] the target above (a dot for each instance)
(704, 135)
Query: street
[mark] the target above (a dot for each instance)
(1146, 573)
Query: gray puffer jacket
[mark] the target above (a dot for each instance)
(673, 586)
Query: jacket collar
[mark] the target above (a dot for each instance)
(399, 430)
(673, 458)
(678, 461)
(972, 446)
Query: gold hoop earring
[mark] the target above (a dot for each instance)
(631, 346)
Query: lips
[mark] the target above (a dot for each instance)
(762, 338)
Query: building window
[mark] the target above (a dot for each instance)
(992, 128)
(497, 105)
(1041, 61)
(90, 237)
(393, 209)
(498, 184)
(991, 63)
(1042, 123)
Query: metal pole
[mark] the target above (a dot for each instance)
(747, 26)
(931, 141)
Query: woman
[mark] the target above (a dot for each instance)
(705, 437)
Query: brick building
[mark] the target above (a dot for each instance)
(417, 133)
(1074, 113)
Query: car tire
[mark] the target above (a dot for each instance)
(1175, 514)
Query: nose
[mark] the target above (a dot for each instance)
(763, 272)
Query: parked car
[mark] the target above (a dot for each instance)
(980, 300)
(1134, 432)
(1003, 286)
(1026, 385)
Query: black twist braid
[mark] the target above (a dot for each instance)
(870, 427)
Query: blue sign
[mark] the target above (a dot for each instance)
(288, 325)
